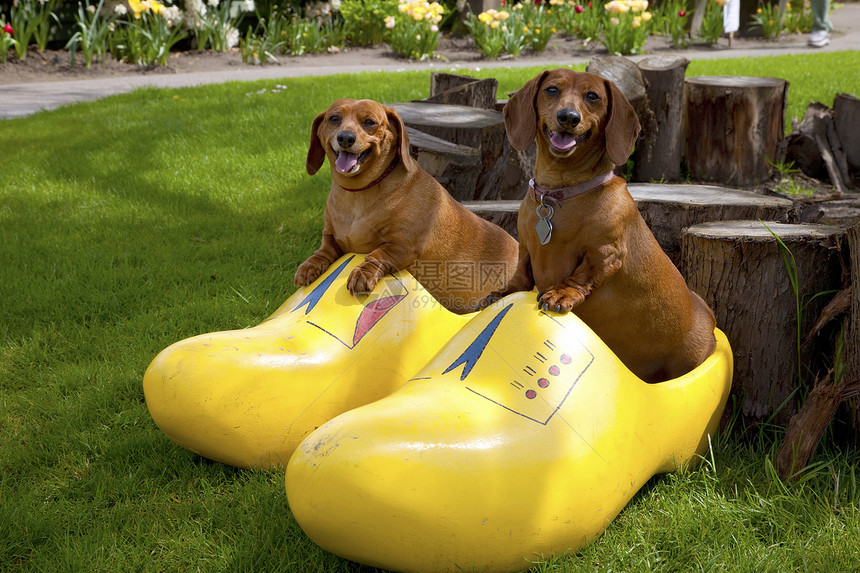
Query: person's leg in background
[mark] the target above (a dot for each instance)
(821, 26)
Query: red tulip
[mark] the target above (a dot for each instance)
(578, 9)
(8, 29)
(682, 13)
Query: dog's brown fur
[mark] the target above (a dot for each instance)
(406, 217)
(602, 262)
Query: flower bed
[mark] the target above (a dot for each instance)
(145, 31)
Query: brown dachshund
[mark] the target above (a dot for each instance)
(583, 242)
(383, 204)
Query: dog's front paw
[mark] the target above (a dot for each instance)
(309, 271)
(363, 278)
(561, 299)
(489, 299)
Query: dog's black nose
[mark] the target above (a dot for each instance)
(568, 117)
(345, 139)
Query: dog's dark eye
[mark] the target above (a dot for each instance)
(592, 97)
(334, 118)
(369, 123)
(551, 91)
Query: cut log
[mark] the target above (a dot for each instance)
(456, 167)
(628, 77)
(669, 209)
(852, 332)
(509, 177)
(657, 156)
(623, 73)
(737, 267)
(456, 89)
(846, 113)
(482, 129)
(815, 148)
(734, 127)
(502, 213)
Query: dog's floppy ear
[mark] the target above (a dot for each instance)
(395, 121)
(316, 153)
(521, 114)
(622, 126)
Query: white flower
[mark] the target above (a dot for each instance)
(120, 10)
(232, 37)
(213, 3)
(193, 7)
(248, 6)
(434, 28)
(173, 15)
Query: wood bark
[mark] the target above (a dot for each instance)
(669, 209)
(734, 127)
(481, 129)
(503, 213)
(455, 167)
(456, 89)
(846, 114)
(815, 148)
(627, 76)
(657, 156)
(852, 331)
(807, 426)
(737, 267)
(509, 177)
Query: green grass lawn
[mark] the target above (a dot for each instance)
(133, 222)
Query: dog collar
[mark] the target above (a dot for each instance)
(378, 180)
(571, 191)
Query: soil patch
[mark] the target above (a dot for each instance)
(55, 65)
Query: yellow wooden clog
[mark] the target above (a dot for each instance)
(249, 397)
(524, 437)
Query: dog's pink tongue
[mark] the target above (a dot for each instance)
(562, 140)
(346, 161)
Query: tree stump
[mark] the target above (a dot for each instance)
(628, 78)
(456, 89)
(509, 177)
(669, 209)
(815, 148)
(455, 167)
(737, 268)
(481, 129)
(503, 213)
(658, 152)
(852, 332)
(846, 113)
(735, 125)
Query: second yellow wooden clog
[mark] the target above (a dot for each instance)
(249, 397)
(523, 438)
